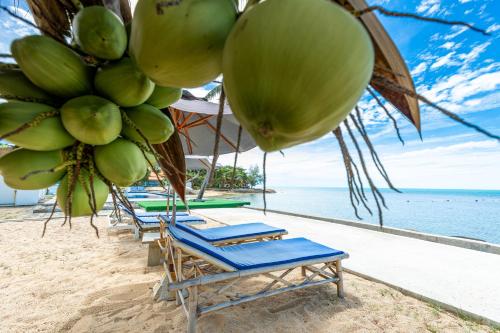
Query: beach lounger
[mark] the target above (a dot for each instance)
(227, 235)
(146, 222)
(208, 272)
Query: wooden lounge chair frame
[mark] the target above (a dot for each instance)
(188, 271)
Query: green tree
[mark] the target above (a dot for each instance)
(254, 176)
(223, 177)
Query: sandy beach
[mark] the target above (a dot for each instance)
(72, 281)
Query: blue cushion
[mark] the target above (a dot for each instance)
(150, 214)
(258, 254)
(178, 219)
(160, 213)
(231, 231)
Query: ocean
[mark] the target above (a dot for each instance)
(467, 213)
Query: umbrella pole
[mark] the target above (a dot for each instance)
(203, 187)
(174, 209)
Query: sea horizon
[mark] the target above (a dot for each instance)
(383, 188)
(469, 213)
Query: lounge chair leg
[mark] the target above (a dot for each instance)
(340, 282)
(137, 233)
(154, 254)
(193, 309)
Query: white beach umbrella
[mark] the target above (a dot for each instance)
(196, 122)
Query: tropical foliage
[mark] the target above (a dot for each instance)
(223, 177)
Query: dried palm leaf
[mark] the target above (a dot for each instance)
(388, 63)
(173, 162)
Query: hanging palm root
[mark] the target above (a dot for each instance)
(354, 182)
(395, 87)
(392, 13)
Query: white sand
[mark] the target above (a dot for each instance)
(71, 281)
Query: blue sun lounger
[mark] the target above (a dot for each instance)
(146, 222)
(195, 261)
(233, 234)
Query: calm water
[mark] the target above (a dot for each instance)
(468, 213)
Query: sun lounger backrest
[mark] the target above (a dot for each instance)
(125, 209)
(199, 244)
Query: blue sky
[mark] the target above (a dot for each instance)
(457, 68)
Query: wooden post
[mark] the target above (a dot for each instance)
(303, 271)
(154, 254)
(179, 273)
(193, 309)
(340, 282)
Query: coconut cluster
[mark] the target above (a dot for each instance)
(292, 71)
(84, 116)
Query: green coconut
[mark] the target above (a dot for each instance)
(100, 32)
(52, 66)
(123, 83)
(20, 162)
(79, 198)
(152, 123)
(181, 45)
(293, 70)
(92, 119)
(48, 134)
(121, 162)
(14, 85)
(164, 96)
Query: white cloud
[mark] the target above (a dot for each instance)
(493, 28)
(448, 45)
(481, 84)
(445, 60)
(474, 53)
(456, 30)
(419, 68)
(429, 7)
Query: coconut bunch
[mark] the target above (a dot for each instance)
(83, 115)
(292, 69)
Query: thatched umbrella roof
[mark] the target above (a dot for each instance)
(388, 63)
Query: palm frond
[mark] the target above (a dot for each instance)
(214, 93)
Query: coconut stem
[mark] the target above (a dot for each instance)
(375, 192)
(222, 100)
(349, 174)
(376, 160)
(238, 142)
(52, 170)
(34, 122)
(49, 218)
(124, 201)
(91, 178)
(264, 181)
(355, 191)
(387, 12)
(149, 149)
(31, 24)
(28, 99)
(389, 84)
(391, 117)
